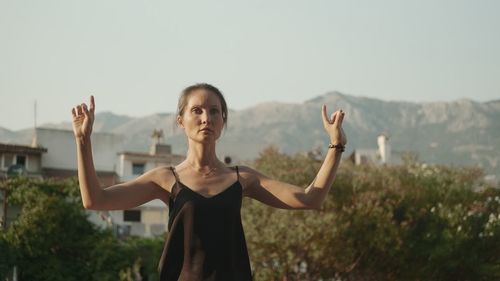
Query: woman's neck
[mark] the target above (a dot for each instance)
(202, 155)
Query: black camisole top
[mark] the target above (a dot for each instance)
(205, 239)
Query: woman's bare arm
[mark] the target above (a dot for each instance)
(126, 195)
(287, 196)
(121, 196)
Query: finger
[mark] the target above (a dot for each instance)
(79, 110)
(340, 118)
(73, 112)
(85, 110)
(326, 121)
(92, 103)
(333, 117)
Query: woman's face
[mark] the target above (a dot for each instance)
(202, 117)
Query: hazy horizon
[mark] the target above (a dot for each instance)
(230, 108)
(136, 57)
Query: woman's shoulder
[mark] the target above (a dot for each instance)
(163, 171)
(247, 175)
(163, 176)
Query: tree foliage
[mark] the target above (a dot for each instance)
(52, 238)
(407, 222)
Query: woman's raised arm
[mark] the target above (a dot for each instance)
(117, 197)
(287, 196)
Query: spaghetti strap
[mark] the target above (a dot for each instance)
(172, 168)
(175, 188)
(237, 173)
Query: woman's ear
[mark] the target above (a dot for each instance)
(179, 122)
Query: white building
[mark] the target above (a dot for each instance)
(60, 159)
(17, 159)
(27, 157)
(113, 165)
(381, 156)
(151, 218)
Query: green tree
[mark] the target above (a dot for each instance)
(52, 238)
(406, 222)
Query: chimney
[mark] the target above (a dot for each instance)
(384, 148)
(157, 147)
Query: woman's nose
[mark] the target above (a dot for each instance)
(205, 118)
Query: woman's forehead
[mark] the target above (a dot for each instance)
(203, 97)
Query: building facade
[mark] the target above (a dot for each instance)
(17, 160)
(53, 155)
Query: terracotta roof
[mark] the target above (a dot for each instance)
(4, 147)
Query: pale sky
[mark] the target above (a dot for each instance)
(135, 56)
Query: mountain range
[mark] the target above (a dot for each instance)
(461, 132)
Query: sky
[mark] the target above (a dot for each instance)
(135, 56)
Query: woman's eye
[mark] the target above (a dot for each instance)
(196, 110)
(214, 111)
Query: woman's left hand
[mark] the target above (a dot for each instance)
(333, 126)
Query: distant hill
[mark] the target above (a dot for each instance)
(461, 132)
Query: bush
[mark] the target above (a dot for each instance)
(53, 240)
(407, 222)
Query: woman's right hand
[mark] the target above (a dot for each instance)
(83, 119)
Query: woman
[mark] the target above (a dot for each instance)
(206, 239)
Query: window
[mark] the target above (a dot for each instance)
(122, 231)
(138, 168)
(132, 215)
(21, 160)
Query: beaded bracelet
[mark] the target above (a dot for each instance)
(339, 147)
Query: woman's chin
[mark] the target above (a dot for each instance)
(207, 139)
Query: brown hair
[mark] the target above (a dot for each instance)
(202, 86)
